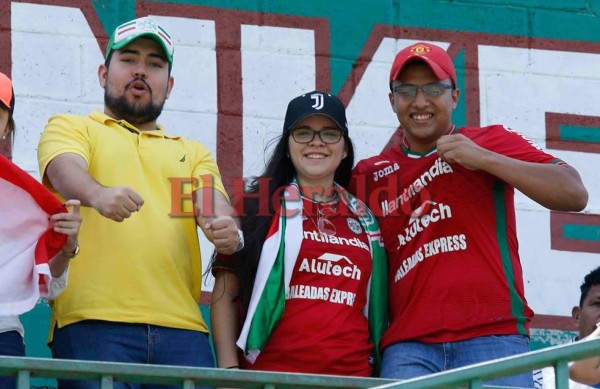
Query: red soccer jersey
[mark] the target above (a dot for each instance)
(450, 234)
(323, 329)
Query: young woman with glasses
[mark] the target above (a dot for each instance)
(308, 291)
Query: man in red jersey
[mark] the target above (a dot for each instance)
(444, 199)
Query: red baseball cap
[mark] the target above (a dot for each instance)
(434, 56)
(7, 96)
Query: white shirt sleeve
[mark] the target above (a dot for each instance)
(57, 285)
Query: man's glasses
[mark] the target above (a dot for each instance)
(434, 89)
(306, 135)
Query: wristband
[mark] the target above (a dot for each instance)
(71, 255)
(240, 245)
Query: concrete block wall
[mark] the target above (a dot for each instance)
(529, 64)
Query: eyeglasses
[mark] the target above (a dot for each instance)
(434, 89)
(306, 135)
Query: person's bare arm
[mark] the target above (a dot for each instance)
(215, 216)
(587, 371)
(224, 318)
(68, 224)
(68, 174)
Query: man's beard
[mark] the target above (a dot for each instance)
(134, 113)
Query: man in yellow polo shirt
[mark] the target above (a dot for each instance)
(134, 289)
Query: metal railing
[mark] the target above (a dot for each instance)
(472, 376)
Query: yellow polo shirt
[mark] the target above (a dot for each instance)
(146, 269)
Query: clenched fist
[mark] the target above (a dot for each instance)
(117, 203)
(222, 231)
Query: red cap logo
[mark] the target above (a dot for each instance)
(420, 49)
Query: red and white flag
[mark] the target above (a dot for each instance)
(27, 240)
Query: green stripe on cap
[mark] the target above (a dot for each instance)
(126, 24)
(163, 30)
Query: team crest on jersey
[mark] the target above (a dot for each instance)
(354, 225)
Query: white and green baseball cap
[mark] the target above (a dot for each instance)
(138, 28)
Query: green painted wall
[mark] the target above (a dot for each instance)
(351, 22)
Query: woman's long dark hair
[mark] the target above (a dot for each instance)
(279, 173)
